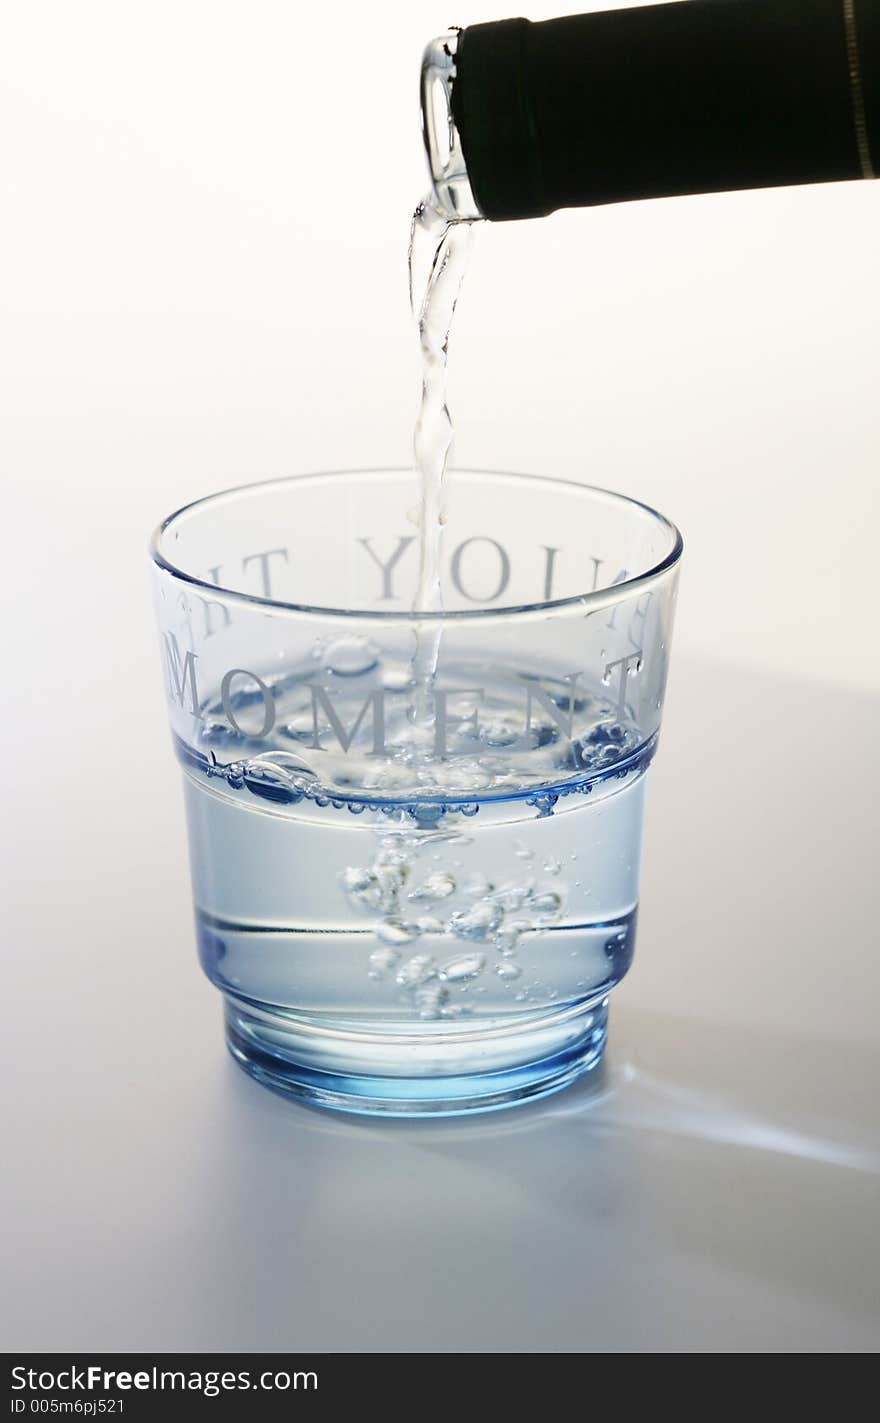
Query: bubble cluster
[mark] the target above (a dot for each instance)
(498, 741)
(491, 920)
(605, 744)
(378, 888)
(477, 922)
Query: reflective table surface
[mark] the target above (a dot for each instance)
(714, 1185)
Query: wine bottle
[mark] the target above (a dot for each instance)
(698, 96)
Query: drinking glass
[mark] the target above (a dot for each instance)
(415, 837)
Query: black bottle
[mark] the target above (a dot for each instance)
(697, 96)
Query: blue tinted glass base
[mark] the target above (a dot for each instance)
(367, 1073)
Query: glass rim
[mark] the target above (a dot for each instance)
(593, 599)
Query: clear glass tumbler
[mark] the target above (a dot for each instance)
(415, 838)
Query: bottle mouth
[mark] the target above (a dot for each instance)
(452, 195)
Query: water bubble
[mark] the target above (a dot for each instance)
(381, 960)
(476, 923)
(396, 932)
(279, 770)
(416, 971)
(438, 885)
(466, 966)
(350, 656)
(552, 866)
(548, 904)
(508, 971)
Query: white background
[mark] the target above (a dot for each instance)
(203, 243)
(202, 247)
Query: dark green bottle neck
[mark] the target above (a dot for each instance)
(698, 96)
